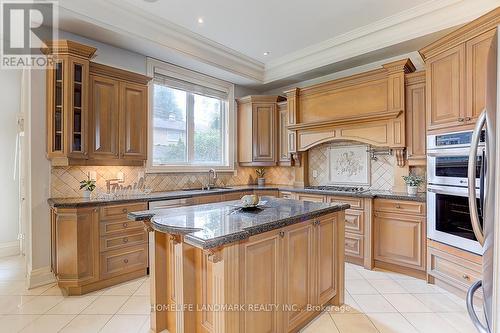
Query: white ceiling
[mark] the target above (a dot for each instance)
(279, 26)
(306, 38)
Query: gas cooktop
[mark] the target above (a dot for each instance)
(331, 188)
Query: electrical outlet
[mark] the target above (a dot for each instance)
(140, 174)
(315, 174)
(93, 175)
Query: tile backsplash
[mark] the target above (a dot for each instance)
(65, 180)
(382, 169)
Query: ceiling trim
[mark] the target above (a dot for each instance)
(125, 18)
(415, 22)
(131, 20)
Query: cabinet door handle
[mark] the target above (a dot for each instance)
(282, 234)
(125, 224)
(125, 261)
(398, 206)
(124, 210)
(125, 240)
(468, 118)
(461, 120)
(466, 277)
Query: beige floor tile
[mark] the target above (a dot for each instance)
(460, 321)
(38, 305)
(391, 323)
(429, 323)
(322, 324)
(373, 303)
(146, 327)
(139, 305)
(144, 289)
(86, 324)
(387, 287)
(353, 323)
(72, 305)
(349, 306)
(11, 304)
(352, 274)
(360, 287)
(13, 274)
(48, 324)
(15, 323)
(105, 305)
(374, 274)
(124, 289)
(438, 302)
(406, 303)
(19, 288)
(125, 324)
(418, 287)
(53, 291)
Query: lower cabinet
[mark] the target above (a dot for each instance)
(399, 236)
(93, 248)
(294, 266)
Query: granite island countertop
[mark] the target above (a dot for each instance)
(180, 194)
(212, 225)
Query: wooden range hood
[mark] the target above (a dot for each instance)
(367, 107)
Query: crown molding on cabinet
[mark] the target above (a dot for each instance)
(128, 19)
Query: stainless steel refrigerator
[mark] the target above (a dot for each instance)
(485, 233)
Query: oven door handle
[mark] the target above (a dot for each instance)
(476, 226)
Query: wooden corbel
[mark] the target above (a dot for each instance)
(214, 255)
(400, 156)
(176, 239)
(297, 158)
(147, 225)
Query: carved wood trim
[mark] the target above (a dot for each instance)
(116, 73)
(400, 156)
(68, 47)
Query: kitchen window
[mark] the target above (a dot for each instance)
(191, 121)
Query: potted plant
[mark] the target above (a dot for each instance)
(87, 185)
(261, 181)
(412, 182)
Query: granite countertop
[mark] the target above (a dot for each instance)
(179, 194)
(211, 225)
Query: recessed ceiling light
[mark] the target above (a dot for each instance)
(200, 20)
(267, 53)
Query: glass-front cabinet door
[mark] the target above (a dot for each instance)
(67, 102)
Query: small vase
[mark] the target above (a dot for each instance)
(412, 190)
(261, 181)
(86, 194)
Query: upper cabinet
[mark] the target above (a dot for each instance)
(284, 158)
(415, 118)
(96, 114)
(258, 130)
(456, 74)
(67, 105)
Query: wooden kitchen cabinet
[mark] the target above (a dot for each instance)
(258, 130)
(285, 158)
(415, 118)
(67, 102)
(456, 74)
(93, 248)
(118, 116)
(294, 265)
(399, 236)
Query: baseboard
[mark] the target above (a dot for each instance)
(40, 276)
(8, 249)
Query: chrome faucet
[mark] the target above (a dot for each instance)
(212, 178)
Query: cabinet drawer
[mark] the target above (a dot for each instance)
(120, 211)
(121, 261)
(266, 193)
(310, 197)
(354, 202)
(113, 242)
(354, 221)
(206, 199)
(286, 195)
(120, 226)
(399, 206)
(234, 196)
(459, 272)
(353, 245)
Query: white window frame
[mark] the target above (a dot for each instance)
(176, 72)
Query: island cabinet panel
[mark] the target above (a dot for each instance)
(445, 89)
(298, 264)
(261, 281)
(326, 256)
(399, 234)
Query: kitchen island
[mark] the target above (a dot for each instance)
(216, 268)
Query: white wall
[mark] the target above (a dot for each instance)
(10, 87)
